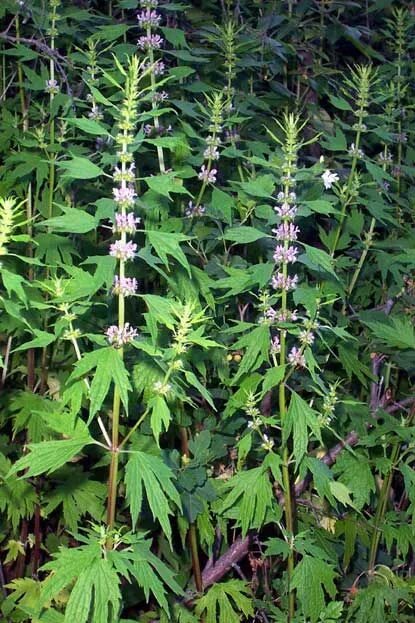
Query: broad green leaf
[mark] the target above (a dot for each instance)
(244, 234)
(256, 343)
(73, 220)
(355, 473)
(168, 244)
(300, 422)
(262, 186)
(109, 368)
(79, 168)
(166, 184)
(250, 497)
(149, 474)
(222, 205)
(310, 578)
(395, 332)
(226, 602)
(90, 126)
(160, 416)
(318, 259)
(42, 338)
(48, 456)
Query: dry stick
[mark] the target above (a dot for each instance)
(214, 571)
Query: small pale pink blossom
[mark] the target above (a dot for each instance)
(124, 286)
(285, 255)
(279, 282)
(286, 231)
(150, 42)
(149, 18)
(275, 345)
(206, 175)
(123, 250)
(296, 358)
(125, 223)
(119, 336)
(124, 196)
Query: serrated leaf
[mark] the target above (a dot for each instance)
(310, 578)
(48, 456)
(301, 420)
(262, 186)
(243, 234)
(73, 220)
(109, 367)
(149, 474)
(395, 332)
(355, 473)
(166, 244)
(226, 602)
(79, 168)
(90, 126)
(160, 416)
(318, 259)
(252, 495)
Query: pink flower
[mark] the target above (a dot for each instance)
(124, 196)
(286, 211)
(275, 345)
(124, 286)
(206, 175)
(125, 223)
(148, 19)
(123, 250)
(296, 358)
(150, 42)
(286, 231)
(285, 255)
(118, 336)
(158, 67)
(279, 282)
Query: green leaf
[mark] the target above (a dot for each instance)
(90, 126)
(262, 186)
(310, 577)
(192, 379)
(166, 184)
(250, 497)
(147, 473)
(168, 244)
(395, 332)
(109, 367)
(256, 343)
(95, 595)
(42, 339)
(355, 473)
(243, 234)
(226, 602)
(160, 416)
(301, 420)
(73, 220)
(48, 456)
(339, 102)
(222, 205)
(318, 259)
(14, 283)
(79, 168)
(272, 378)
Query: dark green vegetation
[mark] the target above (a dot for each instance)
(206, 308)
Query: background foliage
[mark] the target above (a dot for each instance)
(192, 430)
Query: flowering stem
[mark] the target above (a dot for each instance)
(160, 152)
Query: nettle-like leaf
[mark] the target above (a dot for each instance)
(46, 457)
(354, 471)
(166, 244)
(256, 345)
(301, 420)
(226, 602)
(149, 474)
(251, 495)
(18, 498)
(79, 495)
(310, 577)
(95, 594)
(109, 368)
(394, 332)
(160, 417)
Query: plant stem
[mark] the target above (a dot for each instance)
(192, 534)
(160, 153)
